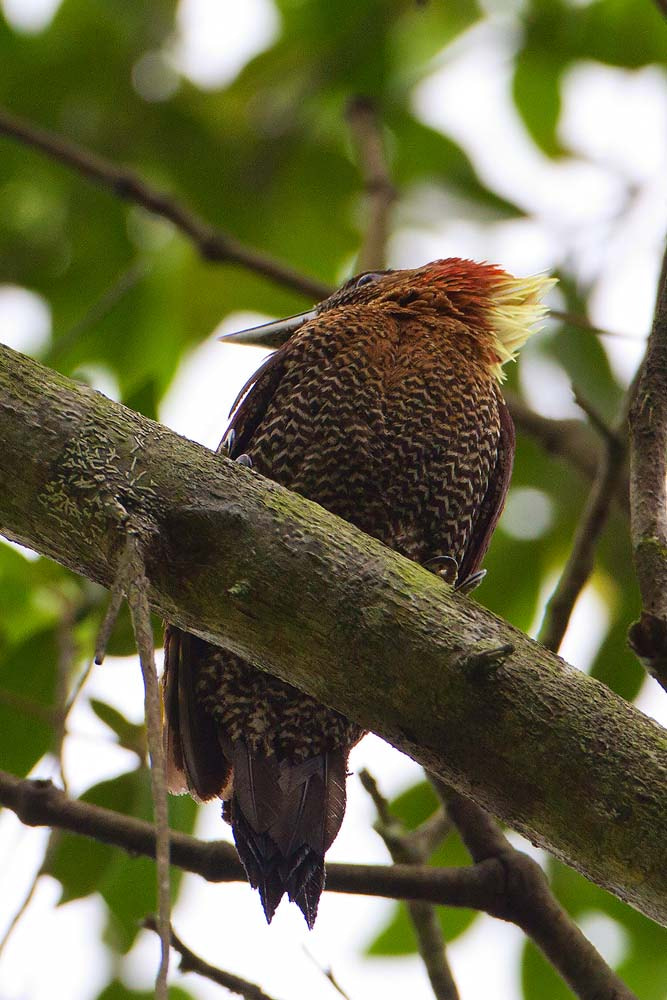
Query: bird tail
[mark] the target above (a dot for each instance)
(195, 760)
(284, 818)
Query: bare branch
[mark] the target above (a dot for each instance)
(136, 584)
(583, 323)
(507, 885)
(66, 659)
(327, 973)
(404, 849)
(212, 243)
(582, 554)
(193, 963)
(529, 903)
(40, 803)
(130, 581)
(648, 492)
(128, 279)
(571, 440)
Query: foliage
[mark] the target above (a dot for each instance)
(268, 158)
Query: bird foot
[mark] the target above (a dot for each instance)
(244, 460)
(446, 567)
(470, 583)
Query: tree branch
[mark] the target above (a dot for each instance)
(571, 440)
(504, 883)
(648, 492)
(581, 559)
(530, 904)
(135, 585)
(246, 564)
(212, 243)
(40, 803)
(404, 848)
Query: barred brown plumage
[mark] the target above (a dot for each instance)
(384, 407)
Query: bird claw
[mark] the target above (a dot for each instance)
(244, 460)
(227, 442)
(470, 583)
(446, 567)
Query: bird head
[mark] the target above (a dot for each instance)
(480, 302)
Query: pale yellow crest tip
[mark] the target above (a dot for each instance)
(516, 312)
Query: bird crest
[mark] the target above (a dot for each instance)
(516, 311)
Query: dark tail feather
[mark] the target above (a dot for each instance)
(284, 818)
(195, 760)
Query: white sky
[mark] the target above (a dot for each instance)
(617, 123)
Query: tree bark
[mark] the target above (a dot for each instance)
(249, 565)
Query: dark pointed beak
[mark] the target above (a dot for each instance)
(272, 334)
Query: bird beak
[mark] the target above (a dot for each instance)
(272, 334)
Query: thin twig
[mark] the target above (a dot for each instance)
(327, 973)
(78, 687)
(110, 297)
(66, 657)
(366, 129)
(22, 910)
(116, 598)
(648, 492)
(583, 323)
(137, 590)
(527, 901)
(405, 849)
(596, 419)
(212, 243)
(580, 561)
(193, 963)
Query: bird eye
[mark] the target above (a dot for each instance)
(366, 279)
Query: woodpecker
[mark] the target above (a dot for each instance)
(384, 406)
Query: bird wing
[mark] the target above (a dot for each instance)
(195, 761)
(250, 405)
(494, 498)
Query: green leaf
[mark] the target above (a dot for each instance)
(413, 806)
(80, 863)
(117, 990)
(27, 695)
(421, 154)
(536, 92)
(130, 736)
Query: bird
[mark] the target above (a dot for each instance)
(383, 405)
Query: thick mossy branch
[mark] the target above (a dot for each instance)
(306, 596)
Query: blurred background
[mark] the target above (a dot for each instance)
(532, 134)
